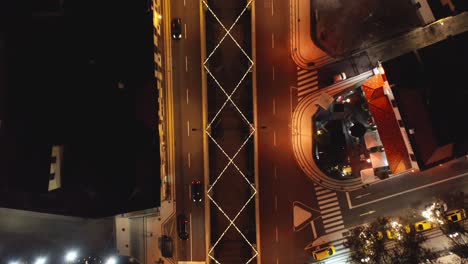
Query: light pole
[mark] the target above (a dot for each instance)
(71, 256)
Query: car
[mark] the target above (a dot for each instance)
(456, 215)
(423, 225)
(182, 227)
(339, 77)
(197, 191)
(176, 28)
(167, 246)
(323, 253)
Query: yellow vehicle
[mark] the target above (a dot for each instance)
(379, 235)
(456, 215)
(323, 253)
(423, 226)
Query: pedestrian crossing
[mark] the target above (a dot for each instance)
(307, 82)
(342, 253)
(329, 209)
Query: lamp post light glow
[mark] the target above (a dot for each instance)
(41, 260)
(111, 260)
(71, 256)
(13, 262)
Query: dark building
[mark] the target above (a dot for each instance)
(78, 74)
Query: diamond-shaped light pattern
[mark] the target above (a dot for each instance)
(231, 159)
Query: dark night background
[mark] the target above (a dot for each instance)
(60, 63)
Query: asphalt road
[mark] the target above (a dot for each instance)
(186, 76)
(281, 181)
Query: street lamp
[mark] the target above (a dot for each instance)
(40, 260)
(111, 260)
(71, 256)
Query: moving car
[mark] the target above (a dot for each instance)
(423, 226)
(197, 191)
(183, 227)
(339, 77)
(456, 215)
(323, 253)
(176, 28)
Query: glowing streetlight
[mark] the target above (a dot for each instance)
(40, 260)
(14, 262)
(71, 256)
(111, 260)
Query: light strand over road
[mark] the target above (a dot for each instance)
(208, 132)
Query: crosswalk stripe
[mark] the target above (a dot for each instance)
(322, 192)
(319, 188)
(328, 200)
(301, 71)
(304, 81)
(332, 219)
(321, 197)
(334, 229)
(333, 224)
(328, 205)
(325, 216)
(307, 86)
(327, 211)
(303, 76)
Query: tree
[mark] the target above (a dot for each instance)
(366, 243)
(409, 249)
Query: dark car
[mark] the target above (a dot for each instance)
(197, 191)
(183, 227)
(176, 28)
(167, 246)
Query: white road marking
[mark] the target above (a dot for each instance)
(273, 72)
(328, 200)
(333, 224)
(302, 82)
(184, 2)
(274, 107)
(188, 128)
(326, 196)
(318, 188)
(328, 205)
(272, 40)
(334, 229)
(322, 192)
(188, 157)
(300, 77)
(325, 215)
(187, 92)
(185, 30)
(362, 195)
(272, 7)
(276, 233)
(332, 219)
(403, 192)
(326, 211)
(274, 138)
(186, 64)
(314, 232)
(367, 213)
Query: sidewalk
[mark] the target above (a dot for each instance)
(305, 53)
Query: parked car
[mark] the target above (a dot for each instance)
(339, 77)
(456, 215)
(176, 28)
(423, 226)
(197, 191)
(323, 253)
(183, 227)
(167, 246)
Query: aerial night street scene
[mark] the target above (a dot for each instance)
(233, 131)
